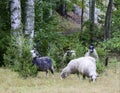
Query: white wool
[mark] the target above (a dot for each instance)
(94, 54)
(84, 65)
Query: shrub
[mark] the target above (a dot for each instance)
(18, 57)
(100, 67)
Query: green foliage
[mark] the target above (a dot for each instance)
(58, 46)
(114, 44)
(4, 28)
(18, 57)
(86, 34)
(100, 67)
(116, 20)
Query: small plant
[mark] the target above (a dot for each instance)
(100, 67)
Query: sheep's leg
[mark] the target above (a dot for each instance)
(84, 77)
(52, 71)
(78, 75)
(46, 73)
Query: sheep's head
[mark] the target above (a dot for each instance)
(65, 73)
(93, 78)
(33, 53)
(91, 49)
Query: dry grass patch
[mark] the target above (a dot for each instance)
(108, 82)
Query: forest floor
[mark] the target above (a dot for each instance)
(107, 82)
(71, 24)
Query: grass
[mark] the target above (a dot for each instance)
(107, 82)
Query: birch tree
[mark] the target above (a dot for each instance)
(14, 48)
(51, 11)
(15, 10)
(29, 19)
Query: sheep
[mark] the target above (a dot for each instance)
(69, 54)
(43, 63)
(92, 52)
(83, 65)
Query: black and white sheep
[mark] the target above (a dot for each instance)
(83, 65)
(92, 52)
(43, 63)
(69, 54)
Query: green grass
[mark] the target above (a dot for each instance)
(107, 82)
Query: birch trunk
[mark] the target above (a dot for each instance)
(51, 11)
(29, 18)
(15, 10)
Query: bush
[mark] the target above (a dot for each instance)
(100, 67)
(18, 57)
(86, 35)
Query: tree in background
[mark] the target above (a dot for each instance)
(82, 12)
(91, 17)
(16, 28)
(15, 10)
(29, 19)
(62, 8)
(108, 20)
(18, 56)
(107, 26)
(4, 28)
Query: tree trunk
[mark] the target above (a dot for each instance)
(107, 26)
(91, 17)
(15, 10)
(62, 9)
(82, 12)
(51, 11)
(29, 19)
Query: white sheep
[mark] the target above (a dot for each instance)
(92, 52)
(83, 65)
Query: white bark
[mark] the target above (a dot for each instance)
(15, 10)
(51, 11)
(29, 18)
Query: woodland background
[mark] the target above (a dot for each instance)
(53, 27)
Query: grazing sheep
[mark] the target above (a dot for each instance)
(83, 65)
(92, 52)
(70, 54)
(43, 63)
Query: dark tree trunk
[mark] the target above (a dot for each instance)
(82, 12)
(62, 9)
(91, 17)
(107, 26)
